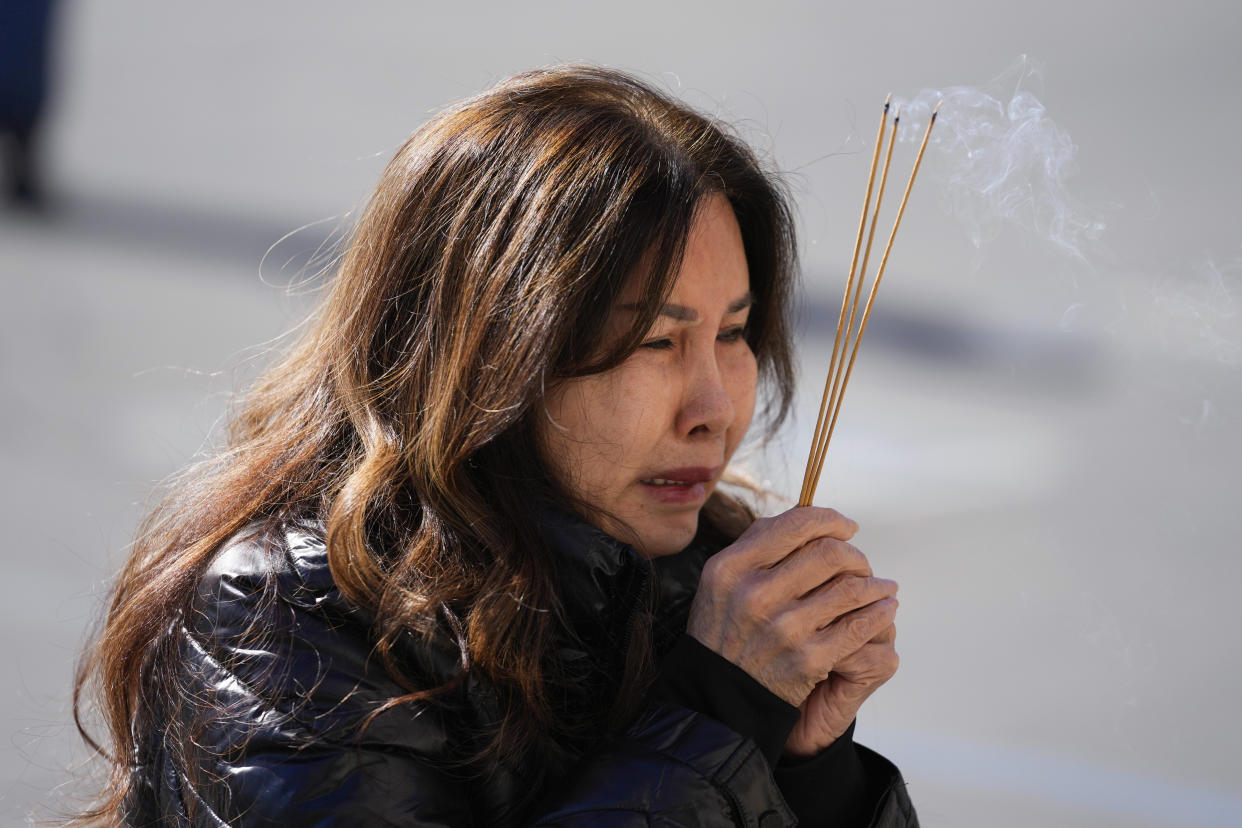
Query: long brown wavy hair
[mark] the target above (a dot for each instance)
(479, 275)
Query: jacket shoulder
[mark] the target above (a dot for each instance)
(292, 557)
(268, 620)
(280, 685)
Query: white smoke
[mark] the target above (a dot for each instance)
(1001, 160)
(1196, 313)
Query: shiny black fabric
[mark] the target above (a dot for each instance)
(266, 723)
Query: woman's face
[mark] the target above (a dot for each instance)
(645, 443)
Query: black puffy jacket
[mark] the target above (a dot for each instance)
(277, 675)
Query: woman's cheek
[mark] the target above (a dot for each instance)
(744, 378)
(615, 420)
(635, 410)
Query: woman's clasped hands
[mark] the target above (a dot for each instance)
(797, 607)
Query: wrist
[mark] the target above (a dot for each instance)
(700, 679)
(830, 787)
(798, 752)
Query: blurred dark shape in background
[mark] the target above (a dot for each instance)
(25, 66)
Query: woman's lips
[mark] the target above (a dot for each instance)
(680, 486)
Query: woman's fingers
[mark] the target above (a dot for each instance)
(808, 539)
(869, 667)
(886, 636)
(816, 563)
(842, 595)
(770, 540)
(850, 632)
(789, 599)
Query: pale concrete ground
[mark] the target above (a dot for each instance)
(1044, 453)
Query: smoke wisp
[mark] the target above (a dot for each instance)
(1001, 160)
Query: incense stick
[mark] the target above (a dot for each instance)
(837, 371)
(836, 343)
(838, 380)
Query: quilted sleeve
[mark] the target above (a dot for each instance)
(673, 768)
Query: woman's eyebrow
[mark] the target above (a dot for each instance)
(741, 303)
(684, 314)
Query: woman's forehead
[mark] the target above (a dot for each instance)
(713, 276)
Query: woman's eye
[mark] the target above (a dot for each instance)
(734, 334)
(661, 344)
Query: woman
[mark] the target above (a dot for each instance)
(464, 560)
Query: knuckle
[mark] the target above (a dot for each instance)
(855, 589)
(755, 532)
(787, 628)
(844, 525)
(831, 515)
(833, 554)
(878, 588)
(853, 556)
(858, 628)
(711, 574)
(838, 524)
(751, 598)
(891, 661)
(822, 551)
(817, 522)
(719, 571)
(801, 520)
(807, 666)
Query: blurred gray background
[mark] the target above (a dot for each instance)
(1041, 449)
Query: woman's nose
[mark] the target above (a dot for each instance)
(707, 407)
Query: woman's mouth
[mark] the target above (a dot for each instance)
(680, 486)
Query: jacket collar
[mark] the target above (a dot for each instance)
(602, 580)
(591, 568)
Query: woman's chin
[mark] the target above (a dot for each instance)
(668, 537)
